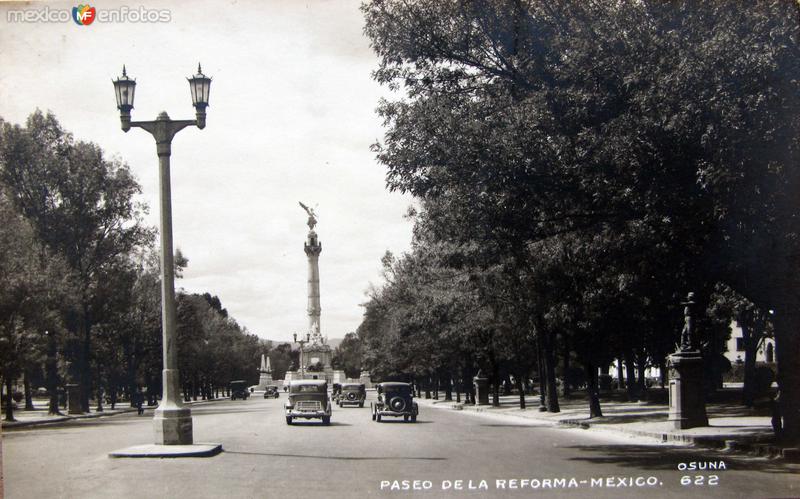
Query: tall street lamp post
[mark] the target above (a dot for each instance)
(302, 343)
(172, 421)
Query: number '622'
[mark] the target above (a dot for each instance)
(700, 480)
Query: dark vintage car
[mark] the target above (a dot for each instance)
(394, 399)
(308, 399)
(239, 390)
(271, 392)
(352, 394)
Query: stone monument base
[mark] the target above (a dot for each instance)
(687, 406)
(173, 426)
(74, 399)
(264, 380)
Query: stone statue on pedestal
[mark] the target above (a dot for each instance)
(312, 217)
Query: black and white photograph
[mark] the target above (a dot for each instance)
(400, 248)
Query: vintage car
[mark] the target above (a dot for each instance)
(271, 392)
(239, 390)
(352, 394)
(308, 399)
(394, 399)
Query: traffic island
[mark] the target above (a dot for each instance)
(165, 451)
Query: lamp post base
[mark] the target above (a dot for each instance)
(173, 426)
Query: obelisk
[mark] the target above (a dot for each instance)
(265, 373)
(313, 248)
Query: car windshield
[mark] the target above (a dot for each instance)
(307, 388)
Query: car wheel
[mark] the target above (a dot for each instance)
(326, 420)
(288, 420)
(378, 418)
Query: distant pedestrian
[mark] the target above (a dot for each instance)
(138, 400)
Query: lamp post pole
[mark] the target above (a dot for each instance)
(302, 343)
(172, 421)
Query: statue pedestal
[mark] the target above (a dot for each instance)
(481, 389)
(74, 399)
(687, 406)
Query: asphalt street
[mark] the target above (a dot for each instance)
(445, 454)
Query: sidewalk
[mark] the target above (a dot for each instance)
(732, 427)
(39, 415)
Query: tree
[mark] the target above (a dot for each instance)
(32, 285)
(347, 356)
(82, 206)
(663, 123)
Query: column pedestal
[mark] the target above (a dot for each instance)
(172, 422)
(687, 406)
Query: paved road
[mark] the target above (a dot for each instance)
(355, 457)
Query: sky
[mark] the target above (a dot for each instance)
(291, 118)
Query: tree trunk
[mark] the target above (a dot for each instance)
(594, 396)
(51, 369)
(542, 382)
(630, 372)
(521, 389)
(436, 387)
(9, 400)
(642, 380)
(620, 376)
(662, 368)
(99, 398)
(448, 387)
(27, 387)
(550, 373)
(750, 348)
(787, 350)
(85, 360)
(565, 388)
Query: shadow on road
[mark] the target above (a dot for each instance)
(317, 424)
(659, 457)
(497, 425)
(338, 458)
(400, 421)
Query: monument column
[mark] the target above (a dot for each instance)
(313, 248)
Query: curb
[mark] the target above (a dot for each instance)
(10, 425)
(760, 449)
(60, 419)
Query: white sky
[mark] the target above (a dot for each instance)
(291, 119)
